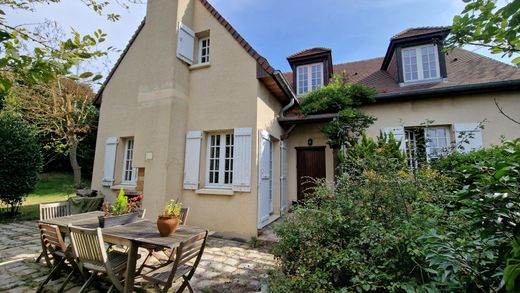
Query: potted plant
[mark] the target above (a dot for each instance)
(121, 212)
(168, 221)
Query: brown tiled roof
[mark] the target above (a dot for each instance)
(259, 59)
(416, 31)
(310, 51)
(463, 67)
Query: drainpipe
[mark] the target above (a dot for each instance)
(282, 82)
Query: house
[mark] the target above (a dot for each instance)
(192, 111)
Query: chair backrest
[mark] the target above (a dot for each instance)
(184, 215)
(54, 210)
(51, 238)
(88, 246)
(187, 250)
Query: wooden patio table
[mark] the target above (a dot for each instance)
(132, 235)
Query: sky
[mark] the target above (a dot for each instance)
(353, 29)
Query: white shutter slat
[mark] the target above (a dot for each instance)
(399, 135)
(192, 160)
(468, 136)
(242, 160)
(110, 161)
(185, 43)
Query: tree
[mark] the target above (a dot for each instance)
(482, 23)
(63, 110)
(343, 98)
(29, 56)
(20, 160)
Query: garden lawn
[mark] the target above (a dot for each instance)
(51, 187)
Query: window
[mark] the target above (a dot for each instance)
(204, 50)
(220, 160)
(129, 173)
(420, 63)
(437, 141)
(309, 77)
(423, 144)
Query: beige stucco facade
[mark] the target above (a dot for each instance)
(156, 99)
(449, 110)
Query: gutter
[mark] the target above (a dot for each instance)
(480, 87)
(308, 118)
(282, 82)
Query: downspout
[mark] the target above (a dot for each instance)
(282, 82)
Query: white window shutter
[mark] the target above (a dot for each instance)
(110, 161)
(192, 160)
(399, 135)
(185, 44)
(468, 136)
(242, 160)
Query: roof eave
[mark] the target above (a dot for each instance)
(318, 118)
(469, 88)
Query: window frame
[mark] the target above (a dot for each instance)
(308, 68)
(133, 170)
(419, 57)
(222, 160)
(208, 48)
(429, 154)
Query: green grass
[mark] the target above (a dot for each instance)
(51, 187)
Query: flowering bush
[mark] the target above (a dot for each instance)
(122, 205)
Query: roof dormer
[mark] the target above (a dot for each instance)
(311, 69)
(415, 56)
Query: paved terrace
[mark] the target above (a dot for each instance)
(227, 266)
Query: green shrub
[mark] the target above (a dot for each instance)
(20, 160)
(454, 164)
(473, 252)
(361, 234)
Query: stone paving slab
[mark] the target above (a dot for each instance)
(226, 266)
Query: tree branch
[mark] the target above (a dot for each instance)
(503, 113)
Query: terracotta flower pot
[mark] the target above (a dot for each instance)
(167, 225)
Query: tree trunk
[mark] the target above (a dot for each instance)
(76, 168)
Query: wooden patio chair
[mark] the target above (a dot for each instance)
(52, 241)
(89, 249)
(179, 268)
(152, 250)
(50, 211)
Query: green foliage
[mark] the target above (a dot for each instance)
(455, 163)
(172, 208)
(483, 23)
(355, 161)
(20, 160)
(121, 204)
(473, 252)
(341, 98)
(361, 234)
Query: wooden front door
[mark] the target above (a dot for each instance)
(310, 164)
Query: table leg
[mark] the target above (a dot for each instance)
(130, 267)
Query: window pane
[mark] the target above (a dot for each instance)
(428, 61)
(410, 65)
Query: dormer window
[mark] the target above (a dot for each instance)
(420, 63)
(309, 77)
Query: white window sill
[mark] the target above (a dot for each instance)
(126, 187)
(215, 191)
(424, 81)
(199, 66)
